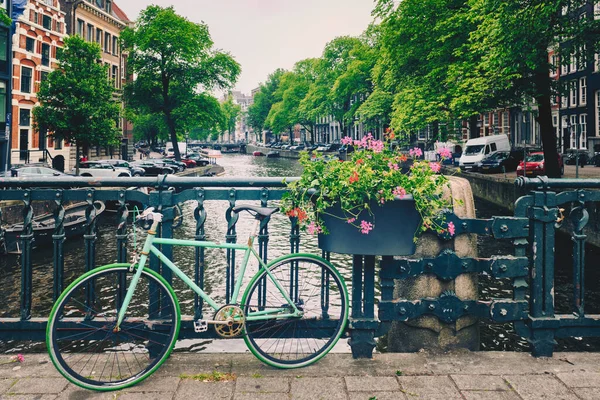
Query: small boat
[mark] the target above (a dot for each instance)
(273, 154)
(43, 228)
(258, 154)
(211, 153)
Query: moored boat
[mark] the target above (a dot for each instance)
(75, 224)
(273, 154)
(258, 154)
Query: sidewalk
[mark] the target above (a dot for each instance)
(461, 375)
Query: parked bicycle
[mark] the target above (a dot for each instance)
(115, 325)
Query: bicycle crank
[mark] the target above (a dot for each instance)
(229, 321)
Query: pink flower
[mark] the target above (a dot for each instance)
(445, 152)
(313, 228)
(416, 152)
(347, 140)
(351, 220)
(20, 358)
(400, 192)
(376, 146)
(451, 228)
(365, 227)
(382, 201)
(393, 166)
(435, 167)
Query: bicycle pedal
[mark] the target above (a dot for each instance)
(200, 326)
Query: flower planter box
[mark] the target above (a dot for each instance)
(393, 235)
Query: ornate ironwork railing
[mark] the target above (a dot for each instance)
(530, 268)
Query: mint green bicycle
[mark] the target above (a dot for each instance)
(116, 325)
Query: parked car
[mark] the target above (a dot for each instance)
(32, 171)
(153, 169)
(199, 159)
(477, 149)
(310, 147)
(502, 161)
(534, 165)
(101, 170)
(189, 163)
(180, 166)
(570, 157)
(134, 169)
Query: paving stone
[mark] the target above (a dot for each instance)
(587, 393)
(189, 389)
(580, 379)
(156, 384)
(371, 384)
(261, 396)
(490, 395)
(39, 385)
(28, 397)
(318, 388)
(5, 384)
(32, 367)
(262, 385)
(429, 387)
(73, 392)
(480, 382)
(147, 396)
(378, 395)
(534, 387)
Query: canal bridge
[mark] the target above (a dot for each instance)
(530, 268)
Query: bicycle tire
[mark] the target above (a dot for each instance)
(89, 306)
(296, 342)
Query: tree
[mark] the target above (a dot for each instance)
(263, 101)
(231, 112)
(76, 100)
(175, 67)
(148, 127)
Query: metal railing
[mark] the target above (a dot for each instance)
(530, 268)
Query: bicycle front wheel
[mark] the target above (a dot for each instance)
(316, 289)
(86, 346)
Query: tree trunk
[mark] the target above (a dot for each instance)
(544, 118)
(173, 135)
(473, 128)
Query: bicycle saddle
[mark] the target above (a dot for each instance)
(262, 211)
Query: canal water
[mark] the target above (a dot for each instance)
(493, 337)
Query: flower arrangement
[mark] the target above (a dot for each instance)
(375, 173)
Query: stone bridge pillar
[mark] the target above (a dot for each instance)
(428, 331)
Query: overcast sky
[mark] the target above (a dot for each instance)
(264, 35)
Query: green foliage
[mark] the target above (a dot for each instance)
(231, 112)
(4, 18)
(176, 67)
(263, 101)
(76, 101)
(148, 127)
(374, 174)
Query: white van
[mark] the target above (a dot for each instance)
(478, 149)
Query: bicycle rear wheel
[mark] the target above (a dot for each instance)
(317, 289)
(81, 337)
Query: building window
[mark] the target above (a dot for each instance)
(115, 72)
(582, 91)
(553, 65)
(573, 93)
(47, 22)
(90, 32)
(99, 34)
(583, 131)
(597, 10)
(33, 17)
(80, 25)
(573, 66)
(58, 27)
(115, 45)
(30, 44)
(2, 102)
(596, 62)
(45, 54)
(108, 6)
(100, 4)
(573, 123)
(49, 3)
(44, 76)
(564, 68)
(58, 144)
(24, 117)
(26, 73)
(107, 42)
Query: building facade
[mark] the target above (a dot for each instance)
(5, 89)
(39, 32)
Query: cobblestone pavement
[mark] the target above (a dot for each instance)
(461, 375)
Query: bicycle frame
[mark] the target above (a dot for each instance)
(149, 247)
